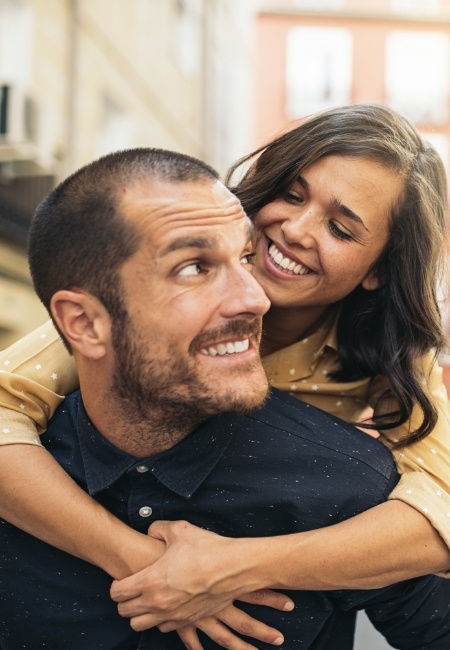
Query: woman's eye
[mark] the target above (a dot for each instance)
(293, 197)
(248, 258)
(191, 269)
(339, 233)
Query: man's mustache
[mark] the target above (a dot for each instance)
(237, 329)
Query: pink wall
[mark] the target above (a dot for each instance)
(369, 36)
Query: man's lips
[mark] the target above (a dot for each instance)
(236, 337)
(286, 263)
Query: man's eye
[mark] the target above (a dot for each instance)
(191, 269)
(249, 258)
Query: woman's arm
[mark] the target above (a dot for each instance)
(386, 544)
(40, 498)
(424, 466)
(37, 495)
(35, 375)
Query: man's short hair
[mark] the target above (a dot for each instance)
(78, 236)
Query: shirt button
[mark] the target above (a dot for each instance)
(142, 469)
(145, 511)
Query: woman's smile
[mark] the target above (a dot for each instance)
(285, 264)
(321, 239)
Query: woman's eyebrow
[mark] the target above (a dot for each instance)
(302, 182)
(337, 205)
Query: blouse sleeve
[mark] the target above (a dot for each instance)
(425, 465)
(35, 374)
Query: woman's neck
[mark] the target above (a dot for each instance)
(283, 327)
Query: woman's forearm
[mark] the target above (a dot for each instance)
(387, 544)
(40, 498)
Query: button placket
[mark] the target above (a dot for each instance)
(143, 495)
(145, 511)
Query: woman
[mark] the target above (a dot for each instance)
(349, 212)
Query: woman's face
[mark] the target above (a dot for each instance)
(320, 240)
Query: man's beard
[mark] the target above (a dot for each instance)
(164, 398)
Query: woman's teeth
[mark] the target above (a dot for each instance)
(286, 263)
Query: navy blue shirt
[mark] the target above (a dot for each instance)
(285, 468)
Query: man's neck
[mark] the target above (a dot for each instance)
(137, 435)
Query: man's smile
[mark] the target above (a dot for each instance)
(231, 347)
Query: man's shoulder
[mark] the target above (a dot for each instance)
(67, 413)
(61, 437)
(295, 419)
(310, 468)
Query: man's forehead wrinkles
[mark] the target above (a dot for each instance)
(192, 210)
(206, 220)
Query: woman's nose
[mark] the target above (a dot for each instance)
(300, 229)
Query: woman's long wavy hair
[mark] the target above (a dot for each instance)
(385, 332)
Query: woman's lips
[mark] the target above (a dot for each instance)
(286, 263)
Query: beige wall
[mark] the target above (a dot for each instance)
(163, 66)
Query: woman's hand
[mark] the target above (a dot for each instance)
(200, 574)
(221, 627)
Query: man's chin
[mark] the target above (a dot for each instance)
(250, 405)
(248, 397)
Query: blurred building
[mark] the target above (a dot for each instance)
(314, 54)
(80, 78)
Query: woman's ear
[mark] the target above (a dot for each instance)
(373, 280)
(83, 321)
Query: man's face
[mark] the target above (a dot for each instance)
(194, 309)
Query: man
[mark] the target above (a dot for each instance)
(142, 259)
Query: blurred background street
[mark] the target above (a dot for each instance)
(367, 637)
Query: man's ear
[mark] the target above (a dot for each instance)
(83, 320)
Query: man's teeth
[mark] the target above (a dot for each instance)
(286, 263)
(226, 348)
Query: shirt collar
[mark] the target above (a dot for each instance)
(331, 338)
(299, 360)
(182, 469)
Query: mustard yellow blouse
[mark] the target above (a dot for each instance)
(37, 371)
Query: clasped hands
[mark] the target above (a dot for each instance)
(192, 587)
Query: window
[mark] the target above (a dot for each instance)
(318, 69)
(417, 75)
(318, 5)
(187, 36)
(114, 130)
(415, 6)
(15, 42)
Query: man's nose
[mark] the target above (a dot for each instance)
(244, 296)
